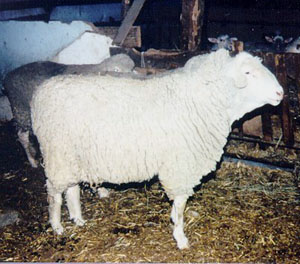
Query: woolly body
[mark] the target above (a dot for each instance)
(137, 120)
(21, 84)
(174, 125)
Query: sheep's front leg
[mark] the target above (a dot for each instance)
(73, 203)
(55, 201)
(177, 218)
(29, 149)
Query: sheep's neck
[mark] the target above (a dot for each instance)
(239, 107)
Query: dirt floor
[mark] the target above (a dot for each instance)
(240, 214)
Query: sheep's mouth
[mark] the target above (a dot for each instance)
(274, 102)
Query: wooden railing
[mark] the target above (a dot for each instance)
(286, 67)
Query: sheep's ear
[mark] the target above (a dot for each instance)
(269, 39)
(288, 40)
(213, 40)
(240, 80)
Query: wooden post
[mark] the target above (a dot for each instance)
(125, 8)
(267, 126)
(132, 40)
(287, 124)
(128, 22)
(297, 81)
(266, 116)
(238, 46)
(191, 20)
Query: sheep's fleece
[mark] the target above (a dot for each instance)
(21, 83)
(174, 125)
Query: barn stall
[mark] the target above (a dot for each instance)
(246, 211)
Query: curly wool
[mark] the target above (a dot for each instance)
(21, 83)
(174, 125)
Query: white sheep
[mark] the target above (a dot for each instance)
(174, 125)
(274, 43)
(222, 42)
(294, 47)
(21, 83)
(278, 42)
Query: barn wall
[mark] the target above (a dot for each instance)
(101, 13)
(160, 24)
(25, 42)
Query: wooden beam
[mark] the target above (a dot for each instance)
(132, 40)
(191, 20)
(267, 126)
(297, 80)
(293, 71)
(128, 21)
(287, 124)
(269, 62)
(125, 8)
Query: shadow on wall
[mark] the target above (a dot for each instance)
(26, 42)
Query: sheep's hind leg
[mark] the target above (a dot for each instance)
(177, 218)
(55, 201)
(29, 149)
(73, 203)
(103, 192)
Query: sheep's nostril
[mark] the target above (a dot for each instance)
(279, 93)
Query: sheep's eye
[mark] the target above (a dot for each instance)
(247, 72)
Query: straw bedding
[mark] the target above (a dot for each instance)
(240, 214)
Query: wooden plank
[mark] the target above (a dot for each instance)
(238, 46)
(297, 80)
(191, 20)
(287, 124)
(132, 40)
(125, 8)
(267, 126)
(157, 59)
(128, 22)
(293, 71)
(268, 60)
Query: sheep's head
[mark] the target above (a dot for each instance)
(278, 42)
(222, 42)
(255, 84)
(294, 47)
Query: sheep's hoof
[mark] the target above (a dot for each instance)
(57, 228)
(181, 239)
(103, 193)
(79, 221)
(33, 163)
(183, 243)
